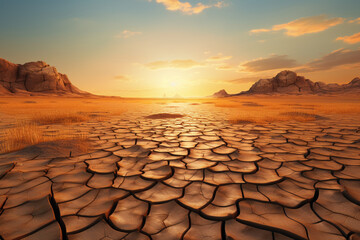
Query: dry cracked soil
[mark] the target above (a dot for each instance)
(189, 176)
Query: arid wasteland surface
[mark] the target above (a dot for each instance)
(194, 175)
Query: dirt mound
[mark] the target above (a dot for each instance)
(164, 116)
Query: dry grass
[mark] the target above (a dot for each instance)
(262, 109)
(20, 136)
(35, 113)
(31, 119)
(59, 118)
(67, 118)
(55, 106)
(27, 134)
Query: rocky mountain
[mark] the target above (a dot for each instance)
(220, 94)
(34, 78)
(288, 82)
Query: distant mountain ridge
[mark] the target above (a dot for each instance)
(288, 82)
(34, 78)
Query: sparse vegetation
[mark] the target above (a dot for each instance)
(260, 109)
(60, 118)
(26, 134)
(29, 122)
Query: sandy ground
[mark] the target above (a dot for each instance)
(193, 175)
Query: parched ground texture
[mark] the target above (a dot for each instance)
(190, 177)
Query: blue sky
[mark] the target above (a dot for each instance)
(148, 48)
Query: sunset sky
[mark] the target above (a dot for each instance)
(148, 48)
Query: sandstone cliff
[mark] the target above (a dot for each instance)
(34, 78)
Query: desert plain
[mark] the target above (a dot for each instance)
(179, 120)
(245, 167)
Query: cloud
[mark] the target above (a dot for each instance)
(187, 7)
(218, 58)
(243, 80)
(217, 62)
(270, 63)
(357, 20)
(127, 34)
(122, 77)
(304, 25)
(350, 39)
(180, 64)
(225, 67)
(339, 58)
(261, 30)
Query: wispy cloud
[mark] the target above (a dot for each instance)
(270, 63)
(357, 20)
(122, 77)
(218, 58)
(342, 58)
(179, 64)
(187, 7)
(127, 34)
(355, 38)
(243, 80)
(225, 67)
(260, 30)
(303, 25)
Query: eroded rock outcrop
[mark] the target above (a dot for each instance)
(288, 82)
(284, 82)
(34, 77)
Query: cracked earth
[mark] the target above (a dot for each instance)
(191, 177)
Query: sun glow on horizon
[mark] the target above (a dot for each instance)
(140, 48)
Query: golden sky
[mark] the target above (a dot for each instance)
(152, 48)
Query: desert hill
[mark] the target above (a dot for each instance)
(34, 78)
(288, 82)
(220, 94)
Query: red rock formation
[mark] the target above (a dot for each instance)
(288, 82)
(32, 78)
